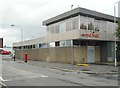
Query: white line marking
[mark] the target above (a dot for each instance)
(43, 75)
(27, 74)
(11, 61)
(4, 80)
(2, 84)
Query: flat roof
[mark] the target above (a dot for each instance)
(79, 11)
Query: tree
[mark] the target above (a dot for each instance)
(118, 30)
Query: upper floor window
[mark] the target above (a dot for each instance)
(50, 29)
(83, 23)
(75, 23)
(68, 25)
(57, 28)
(111, 27)
(87, 23)
(62, 27)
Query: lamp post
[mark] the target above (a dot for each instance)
(21, 29)
(115, 35)
(72, 46)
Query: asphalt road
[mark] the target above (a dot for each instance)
(18, 74)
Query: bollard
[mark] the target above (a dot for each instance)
(25, 57)
(14, 57)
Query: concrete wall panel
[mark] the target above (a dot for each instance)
(77, 54)
(97, 54)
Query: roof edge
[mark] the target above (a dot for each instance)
(79, 11)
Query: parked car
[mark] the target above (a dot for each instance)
(4, 52)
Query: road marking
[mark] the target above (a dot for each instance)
(65, 70)
(4, 61)
(43, 75)
(11, 61)
(2, 84)
(25, 74)
(4, 80)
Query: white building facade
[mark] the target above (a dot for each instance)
(79, 28)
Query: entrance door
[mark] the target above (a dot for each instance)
(90, 54)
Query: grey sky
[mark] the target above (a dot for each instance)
(29, 14)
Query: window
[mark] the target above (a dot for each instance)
(83, 43)
(97, 25)
(33, 46)
(62, 27)
(68, 42)
(68, 25)
(57, 43)
(75, 23)
(50, 29)
(83, 23)
(30, 46)
(76, 42)
(111, 27)
(62, 43)
(56, 28)
(91, 24)
(83, 26)
(103, 25)
(52, 44)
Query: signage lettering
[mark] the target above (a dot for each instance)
(93, 35)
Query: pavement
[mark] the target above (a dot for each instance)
(46, 72)
(104, 68)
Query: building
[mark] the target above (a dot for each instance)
(77, 36)
(1, 44)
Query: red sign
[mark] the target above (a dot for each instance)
(93, 35)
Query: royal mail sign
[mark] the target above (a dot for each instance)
(91, 35)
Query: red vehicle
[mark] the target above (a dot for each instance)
(4, 52)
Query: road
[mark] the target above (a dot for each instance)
(18, 74)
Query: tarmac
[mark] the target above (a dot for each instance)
(102, 68)
(103, 72)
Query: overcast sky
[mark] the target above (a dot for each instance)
(29, 14)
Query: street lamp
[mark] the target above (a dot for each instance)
(72, 45)
(21, 39)
(115, 35)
